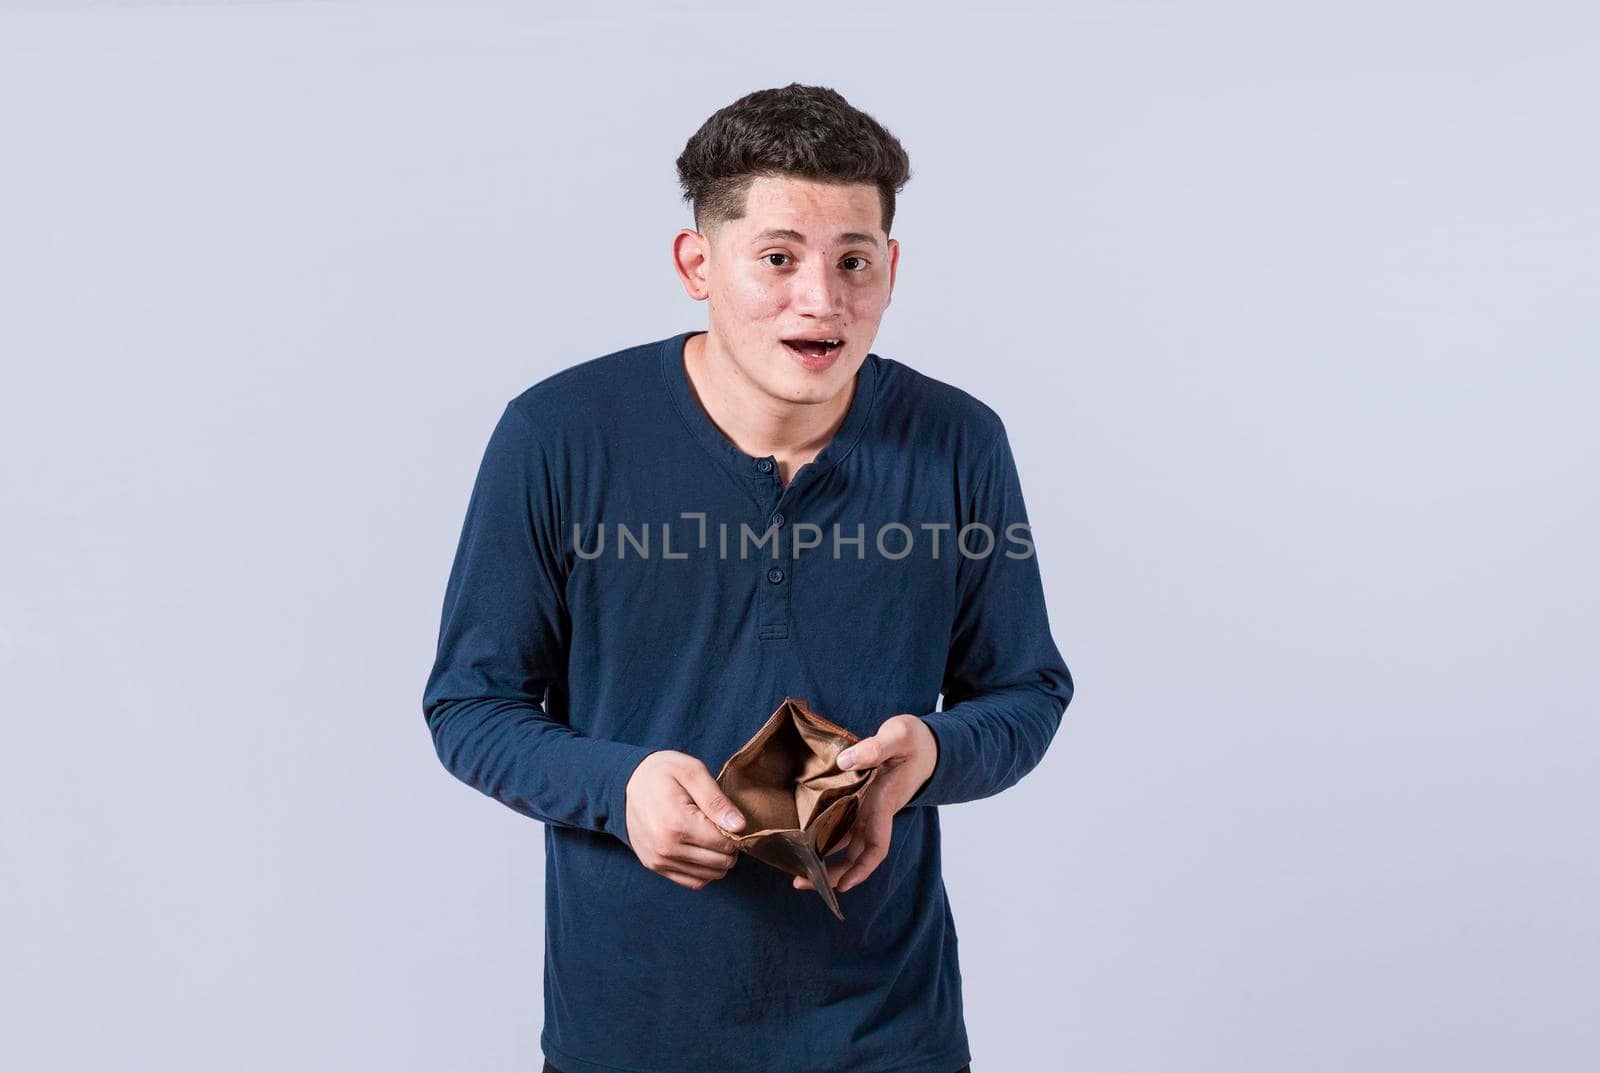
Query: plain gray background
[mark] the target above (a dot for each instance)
(1291, 314)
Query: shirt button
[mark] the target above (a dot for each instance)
(764, 465)
(774, 575)
(777, 520)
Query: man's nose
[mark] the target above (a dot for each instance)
(816, 290)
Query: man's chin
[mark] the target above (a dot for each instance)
(798, 385)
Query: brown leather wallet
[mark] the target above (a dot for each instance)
(797, 803)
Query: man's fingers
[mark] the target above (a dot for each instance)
(713, 806)
(893, 740)
(869, 845)
(839, 868)
(697, 856)
(858, 870)
(863, 754)
(694, 879)
(696, 863)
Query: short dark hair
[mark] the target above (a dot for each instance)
(810, 132)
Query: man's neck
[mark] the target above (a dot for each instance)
(753, 420)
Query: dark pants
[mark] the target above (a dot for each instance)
(548, 1068)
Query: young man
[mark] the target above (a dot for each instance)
(666, 541)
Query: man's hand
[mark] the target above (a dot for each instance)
(671, 799)
(906, 752)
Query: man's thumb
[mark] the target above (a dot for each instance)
(711, 800)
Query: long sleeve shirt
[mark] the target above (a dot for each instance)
(628, 580)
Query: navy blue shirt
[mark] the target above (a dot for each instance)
(628, 580)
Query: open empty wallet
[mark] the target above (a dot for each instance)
(797, 803)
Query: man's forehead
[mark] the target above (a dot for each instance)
(809, 212)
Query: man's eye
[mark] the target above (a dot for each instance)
(768, 258)
(863, 261)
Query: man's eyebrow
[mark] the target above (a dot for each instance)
(795, 236)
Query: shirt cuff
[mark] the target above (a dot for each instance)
(625, 762)
(930, 791)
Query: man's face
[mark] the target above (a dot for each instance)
(808, 260)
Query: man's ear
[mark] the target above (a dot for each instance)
(894, 263)
(691, 254)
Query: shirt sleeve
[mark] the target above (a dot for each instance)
(503, 636)
(1005, 684)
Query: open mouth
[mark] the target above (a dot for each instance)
(814, 348)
